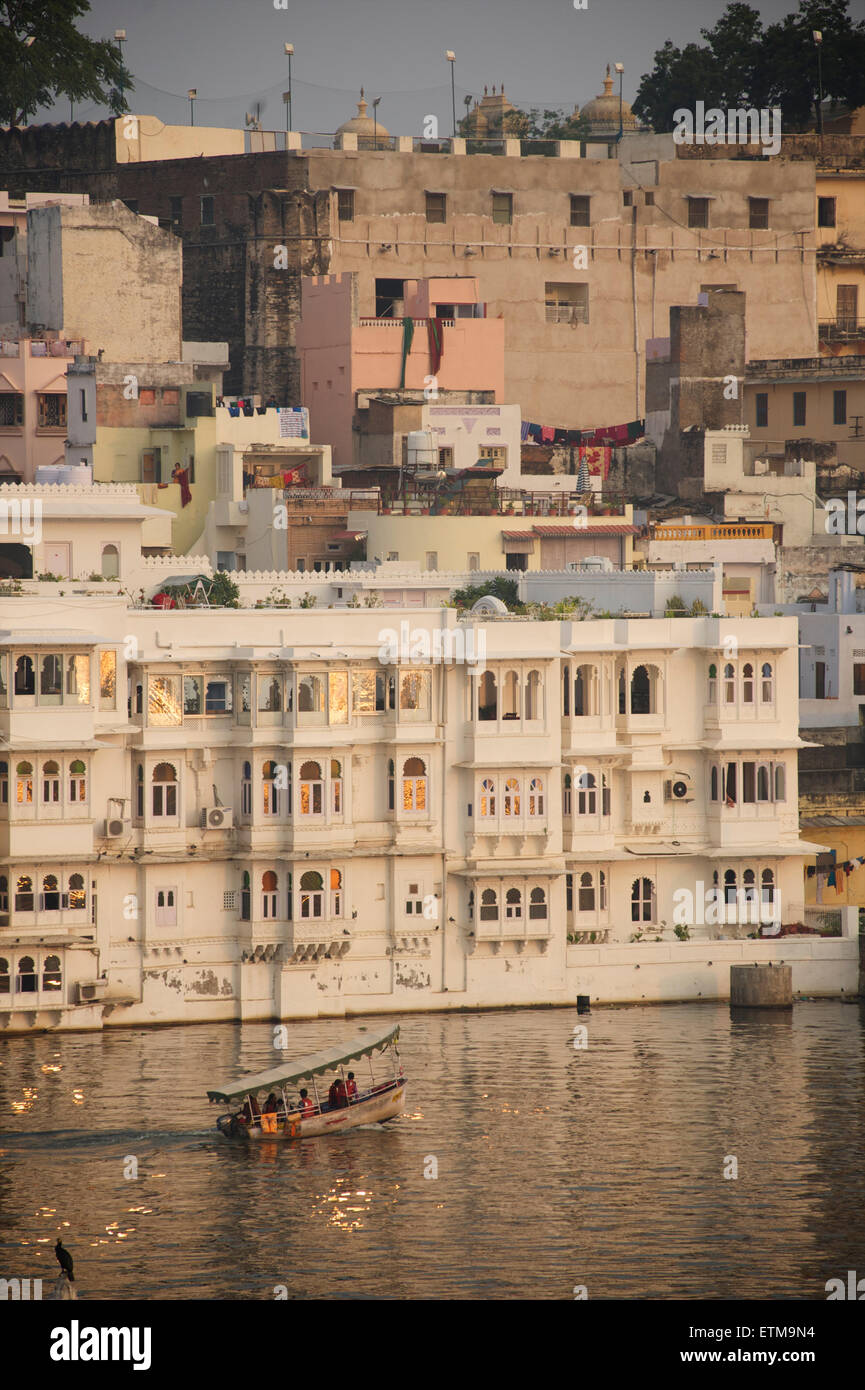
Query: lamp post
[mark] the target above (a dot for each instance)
(620, 69)
(192, 94)
(452, 57)
(120, 39)
(288, 49)
(375, 123)
(817, 35)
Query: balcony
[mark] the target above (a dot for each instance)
(845, 329)
(733, 531)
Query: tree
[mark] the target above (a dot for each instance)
(743, 65)
(553, 124)
(59, 61)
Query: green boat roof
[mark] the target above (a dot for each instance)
(360, 1046)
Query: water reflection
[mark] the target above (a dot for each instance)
(602, 1166)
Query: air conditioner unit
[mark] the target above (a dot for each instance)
(115, 827)
(217, 818)
(679, 788)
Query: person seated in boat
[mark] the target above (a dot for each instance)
(336, 1097)
(249, 1111)
(271, 1105)
(351, 1088)
(307, 1106)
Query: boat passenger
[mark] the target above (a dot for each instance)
(249, 1110)
(307, 1106)
(336, 1097)
(351, 1088)
(271, 1105)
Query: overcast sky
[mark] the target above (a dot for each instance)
(546, 52)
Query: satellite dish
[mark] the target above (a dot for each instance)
(489, 604)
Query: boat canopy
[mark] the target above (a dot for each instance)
(317, 1062)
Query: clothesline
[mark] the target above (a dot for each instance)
(834, 875)
(606, 435)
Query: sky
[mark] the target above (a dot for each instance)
(546, 52)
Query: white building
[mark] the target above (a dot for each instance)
(232, 814)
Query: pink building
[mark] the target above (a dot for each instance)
(32, 404)
(344, 353)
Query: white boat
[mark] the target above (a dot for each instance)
(346, 1105)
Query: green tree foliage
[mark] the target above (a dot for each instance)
(551, 124)
(223, 592)
(743, 64)
(60, 62)
(505, 589)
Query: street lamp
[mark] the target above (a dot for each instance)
(120, 39)
(375, 123)
(620, 69)
(452, 57)
(192, 94)
(817, 35)
(288, 49)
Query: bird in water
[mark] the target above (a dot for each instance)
(65, 1261)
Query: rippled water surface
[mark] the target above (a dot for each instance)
(556, 1167)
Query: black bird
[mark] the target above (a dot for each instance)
(64, 1260)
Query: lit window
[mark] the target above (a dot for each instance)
(414, 785)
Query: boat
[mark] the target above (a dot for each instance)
(374, 1103)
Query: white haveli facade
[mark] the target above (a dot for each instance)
(220, 814)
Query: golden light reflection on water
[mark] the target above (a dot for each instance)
(345, 1207)
(48, 1068)
(78, 1097)
(23, 1107)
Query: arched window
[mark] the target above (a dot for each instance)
(536, 796)
(566, 690)
(110, 562)
(27, 981)
(310, 695)
(52, 976)
(25, 900)
(246, 790)
(767, 683)
(767, 888)
(4, 783)
(537, 904)
(335, 893)
(489, 905)
(25, 676)
(764, 790)
(749, 896)
(511, 696)
(51, 783)
(335, 787)
(623, 691)
(747, 684)
(488, 799)
(730, 887)
(269, 789)
(780, 782)
(729, 684)
(586, 893)
(5, 976)
(390, 784)
(713, 783)
(311, 801)
(77, 781)
(270, 694)
(712, 685)
(566, 794)
(487, 696)
(587, 795)
(414, 785)
(50, 894)
(585, 691)
(139, 791)
(24, 784)
(311, 895)
(513, 904)
(77, 893)
(164, 791)
(51, 679)
(602, 894)
(534, 696)
(512, 797)
(642, 900)
(643, 690)
(269, 894)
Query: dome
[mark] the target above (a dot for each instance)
(602, 112)
(371, 134)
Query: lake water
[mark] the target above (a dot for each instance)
(557, 1167)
